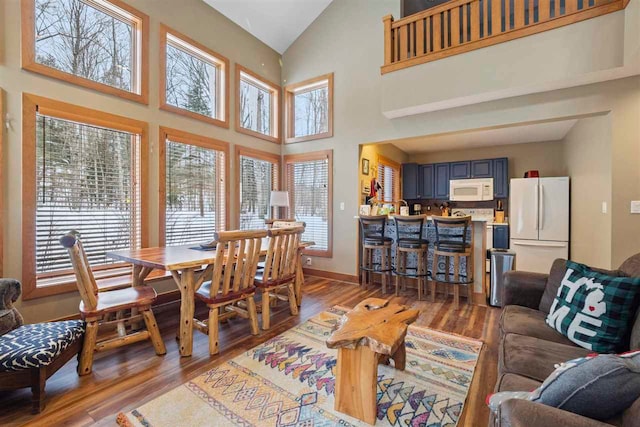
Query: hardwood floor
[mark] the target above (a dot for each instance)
(127, 377)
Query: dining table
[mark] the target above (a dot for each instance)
(189, 266)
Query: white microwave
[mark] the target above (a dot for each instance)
(471, 190)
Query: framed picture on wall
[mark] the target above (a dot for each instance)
(365, 184)
(365, 166)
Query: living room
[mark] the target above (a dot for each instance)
(555, 90)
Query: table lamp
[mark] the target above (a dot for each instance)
(279, 199)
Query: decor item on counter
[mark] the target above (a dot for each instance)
(255, 389)
(499, 214)
(366, 186)
(417, 208)
(404, 210)
(374, 210)
(593, 309)
(532, 174)
(445, 209)
(365, 210)
(365, 166)
(279, 199)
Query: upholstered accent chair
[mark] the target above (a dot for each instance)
(30, 354)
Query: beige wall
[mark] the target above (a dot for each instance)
(547, 157)
(191, 17)
(347, 40)
(372, 152)
(587, 155)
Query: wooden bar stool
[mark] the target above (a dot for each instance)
(372, 231)
(409, 240)
(453, 243)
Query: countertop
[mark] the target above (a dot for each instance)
(473, 219)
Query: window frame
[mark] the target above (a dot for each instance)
(305, 157)
(290, 92)
(272, 158)
(384, 161)
(65, 111)
(222, 97)
(183, 137)
(275, 91)
(140, 52)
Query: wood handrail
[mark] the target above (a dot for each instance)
(460, 26)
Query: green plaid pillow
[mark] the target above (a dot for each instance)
(595, 310)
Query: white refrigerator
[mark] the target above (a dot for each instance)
(539, 222)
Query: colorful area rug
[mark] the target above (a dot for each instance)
(289, 381)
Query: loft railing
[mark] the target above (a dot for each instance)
(463, 25)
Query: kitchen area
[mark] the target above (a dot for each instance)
(518, 203)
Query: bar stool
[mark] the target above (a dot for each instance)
(409, 240)
(453, 243)
(372, 230)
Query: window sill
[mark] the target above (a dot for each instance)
(270, 138)
(290, 140)
(201, 117)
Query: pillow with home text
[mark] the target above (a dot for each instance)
(595, 310)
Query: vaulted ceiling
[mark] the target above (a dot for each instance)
(277, 23)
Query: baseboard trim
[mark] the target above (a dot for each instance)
(330, 275)
(163, 301)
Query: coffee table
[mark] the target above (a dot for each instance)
(370, 334)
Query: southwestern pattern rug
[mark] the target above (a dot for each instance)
(289, 381)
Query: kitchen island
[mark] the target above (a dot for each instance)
(476, 234)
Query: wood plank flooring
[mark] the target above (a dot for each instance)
(127, 377)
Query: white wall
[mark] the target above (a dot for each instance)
(587, 153)
(347, 40)
(191, 17)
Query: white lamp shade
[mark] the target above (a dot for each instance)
(279, 199)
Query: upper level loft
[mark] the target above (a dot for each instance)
(459, 26)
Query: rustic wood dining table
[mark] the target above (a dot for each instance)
(189, 266)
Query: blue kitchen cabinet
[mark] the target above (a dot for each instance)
(460, 170)
(426, 187)
(482, 168)
(410, 181)
(501, 178)
(501, 236)
(441, 180)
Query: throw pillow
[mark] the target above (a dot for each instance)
(593, 309)
(597, 386)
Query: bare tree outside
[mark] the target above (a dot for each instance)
(77, 38)
(311, 116)
(256, 183)
(255, 108)
(84, 182)
(192, 192)
(191, 82)
(310, 181)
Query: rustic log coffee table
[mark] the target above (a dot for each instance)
(371, 333)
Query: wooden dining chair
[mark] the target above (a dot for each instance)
(232, 273)
(95, 308)
(269, 222)
(287, 223)
(280, 270)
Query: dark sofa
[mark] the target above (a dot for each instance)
(529, 349)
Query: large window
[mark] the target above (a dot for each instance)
(257, 174)
(193, 79)
(309, 109)
(82, 171)
(193, 187)
(309, 180)
(100, 44)
(389, 179)
(257, 106)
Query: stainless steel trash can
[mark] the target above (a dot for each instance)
(502, 260)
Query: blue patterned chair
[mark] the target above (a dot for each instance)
(30, 354)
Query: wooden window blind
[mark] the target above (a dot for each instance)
(309, 182)
(389, 179)
(195, 193)
(87, 179)
(257, 178)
